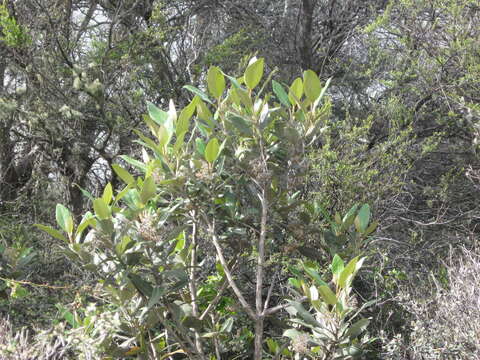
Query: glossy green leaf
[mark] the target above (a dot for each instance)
(327, 294)
(253, 73)
(87, 220)
(204, 113)
(348, 219)
(53, 232)
(107, 194)
(215, 82)
(346, 276)
(280, 93)
(245, 98)
(337, 265)
(357, 328)
(139, 165)
(198, 92)
(294, 282)
(123, 192)
(314, 275)
(64, 218)
(183, 122)
(371, 228)
(200, 145)
(296, 91)
(363, 218)
(304, 314)
(101, 209)
(123, 174)
(312, 85)
(212, 150)
(149, 190)
(156, 114)
(123, 245)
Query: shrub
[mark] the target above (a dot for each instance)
(219, 196)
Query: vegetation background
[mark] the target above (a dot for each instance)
(398, 129)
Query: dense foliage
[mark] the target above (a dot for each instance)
(215, 161)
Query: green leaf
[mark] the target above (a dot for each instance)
(122, 193)
(273, 346)
(215, 82)
(241, 124)
(363, 218)
(312, 85)
(123, 245)
(64, 219)
(304, 314)
(296, 91)
(337, 265)
(212, 150)
(314, 275)
(280, 93)
(183, 122)
(148, 190)
(349, 217)
(198, 92)
(345, 277)
(293, 333)
(18, 291)
(101, 209)
(357, 328)
(123, 174)
(244, 97)
(327, 294)
(142, 286)
(371, 228)
(204, 113)
(227, 325)
(254, 73)
(200, 144)
(87, 219)
(107, 194)
(139, 165)
(133, 258)
(157, 293)
(53, 232)
(294, 282)
(156, 114)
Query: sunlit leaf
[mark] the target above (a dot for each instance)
(64, 218)
(253, 73)
(148, 190)
(101, 209)
(312, 85)
(51, 231)
(215, 81)
(212, 150)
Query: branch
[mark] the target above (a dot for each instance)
(228, 274)
(277, 308)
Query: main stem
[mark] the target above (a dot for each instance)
(193, 284)
(259, 306)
